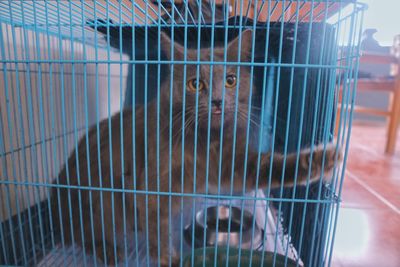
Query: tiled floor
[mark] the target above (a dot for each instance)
(368, 233)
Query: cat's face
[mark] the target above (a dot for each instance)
(217, 88)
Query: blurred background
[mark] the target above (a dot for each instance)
(368, 232)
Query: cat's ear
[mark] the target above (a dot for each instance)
(166, 43)
(245, 48)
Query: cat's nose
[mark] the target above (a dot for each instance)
(216, 103)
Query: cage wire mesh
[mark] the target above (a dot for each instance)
(192, 133)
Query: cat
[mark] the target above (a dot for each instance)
(146, 161)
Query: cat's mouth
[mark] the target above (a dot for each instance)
(216, 111)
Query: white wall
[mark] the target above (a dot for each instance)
(384, 16)
(23, 124)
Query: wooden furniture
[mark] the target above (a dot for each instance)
(263, 10)
(251, 8)
(388, 85)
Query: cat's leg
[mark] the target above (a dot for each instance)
(307, 167)
(157, 229)
(109, 249)
(111, 226)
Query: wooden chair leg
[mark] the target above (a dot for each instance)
(393, 123)
(339, 107)
(337, 122)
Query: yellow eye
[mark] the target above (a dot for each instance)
(193, 85)
(230, 81)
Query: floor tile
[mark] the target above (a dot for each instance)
(368, 231)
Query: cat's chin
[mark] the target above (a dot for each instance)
(215, 122)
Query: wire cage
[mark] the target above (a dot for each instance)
(183, 133)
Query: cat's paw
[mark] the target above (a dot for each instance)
(175, 259)
(164, 261)
(324, 157)
(334, 157)
(111, 260)
(327, 157)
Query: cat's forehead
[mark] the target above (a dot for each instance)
(230, 52)
(218, 70)
(217, 53)
(208, 54)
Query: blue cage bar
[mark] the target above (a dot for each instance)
(67, 67)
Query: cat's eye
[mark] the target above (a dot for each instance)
(230, 81)
(193, 85)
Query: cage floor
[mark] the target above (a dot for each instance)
(74, 256)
